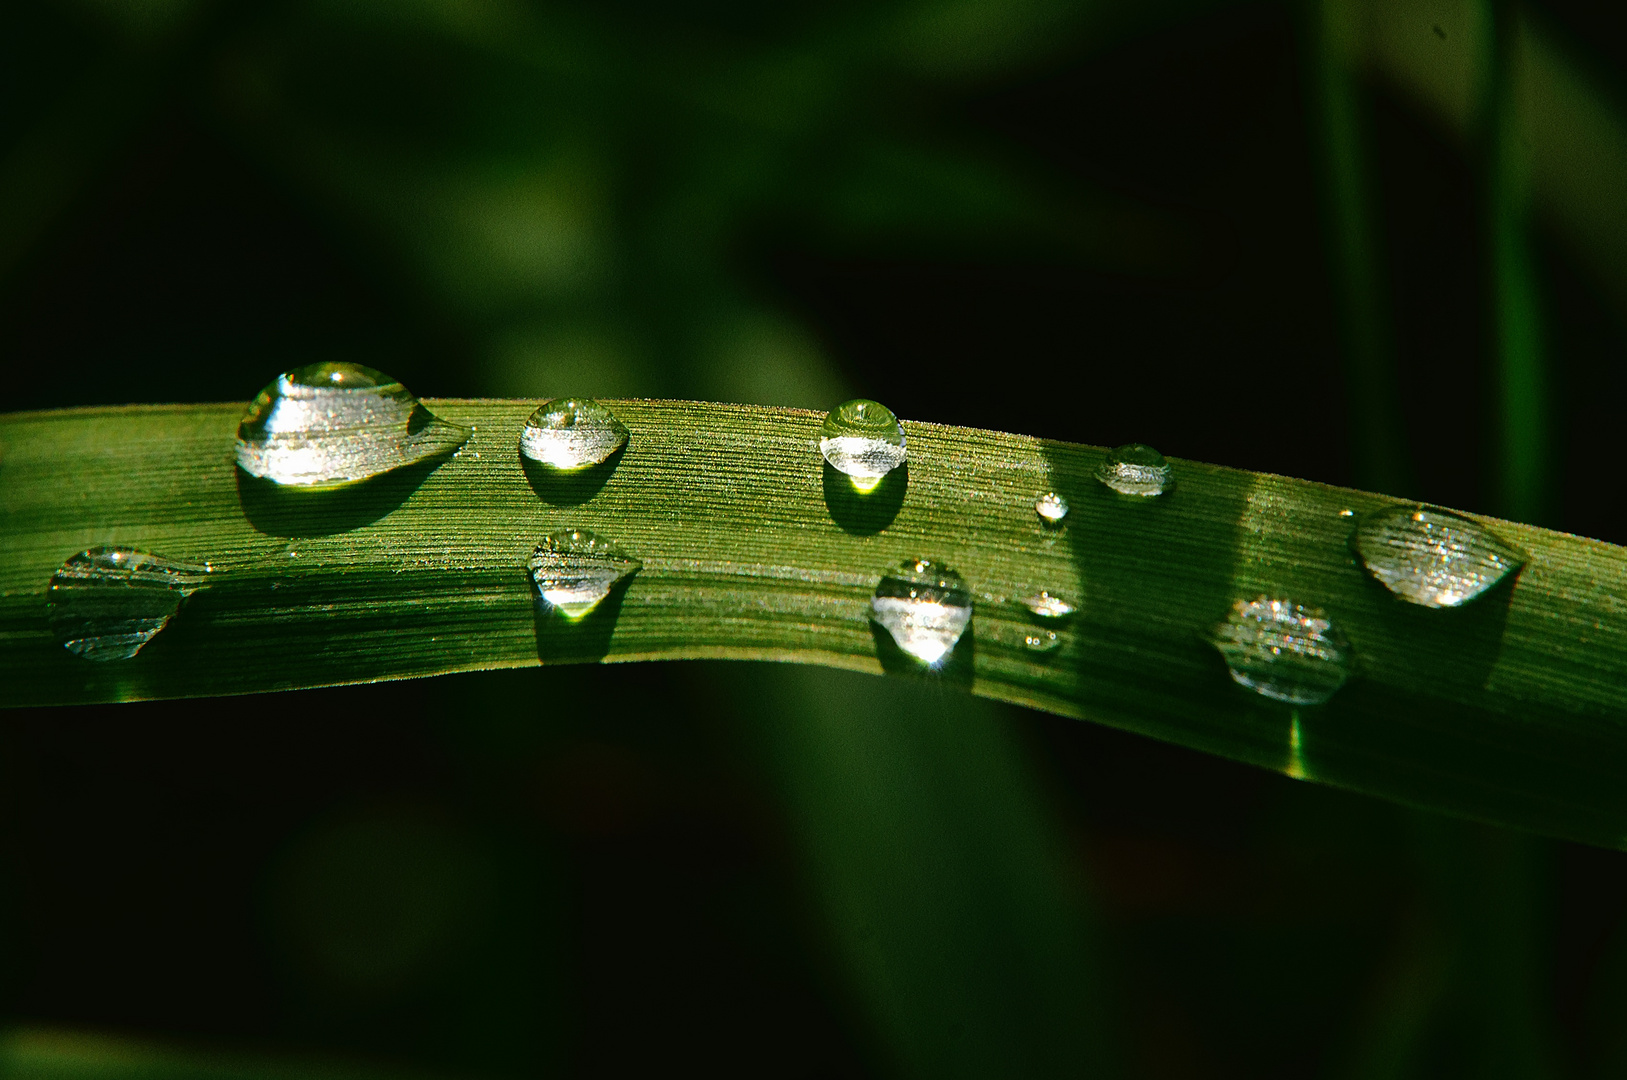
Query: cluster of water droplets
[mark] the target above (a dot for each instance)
(328, 425)
(864, 441)
(107, 602)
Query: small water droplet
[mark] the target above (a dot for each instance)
(572, 433)
(326, 425)
(1347, 513)
(925, 607)
(1051, 508)
(1431, 557)
(864, 440)
(1041, 641)
(1283, 650)
(107, 602)
(1047, 605)
(574, 570)
(1136, 469)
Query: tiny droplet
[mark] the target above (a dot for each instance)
(1047, 605)
(1283, 650)
(326, 425)
(1042, 640)
(926, 608)
(572, 433)
(1051, 508)
(107, 602)
(574, 570)
(863, 440)
(1136, 469)
(1431, 557)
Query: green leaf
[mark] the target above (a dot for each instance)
(1509, 710)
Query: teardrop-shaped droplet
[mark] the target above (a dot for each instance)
(1136, 469)
(107, 602)
(925, 607)
(572, 433)
(574, 570)
(863, 440)
(1051, 508)
(326, 425)
(1283, 650)
(1431, 557)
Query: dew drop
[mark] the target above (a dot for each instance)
(925, 607)
(107, 602)
(574, 570)
(864, 440)
(1136, 469)
(326, 425)
(572, 433)
(1051, 508)
(1283, 650)
(1431, 557)
(1041, 641)
(1047, 605)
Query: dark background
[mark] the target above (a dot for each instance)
(1098, 224)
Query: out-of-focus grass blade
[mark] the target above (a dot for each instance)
(942, 881)
(45, 1054)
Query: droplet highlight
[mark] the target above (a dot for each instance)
(1283, 650)
(572, 433)
(107, 602)
(1431, 557)
(1136, 469)
(574, 570)
(1051, 508)
(1041, 641)
(327, 425)
(1048, 605)
(925, 606)
(863, 440)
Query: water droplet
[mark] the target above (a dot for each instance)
(572, 433)
(576, 569)
(1041, 641)
(1283, 650)
(1051, 508)
(864, 440)
(1135, 469)
(1431, 557)
(325, 425)
(925, 607)
(107, 602)
(1048, 605)
(1347, 513)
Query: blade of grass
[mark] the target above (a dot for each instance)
(1509, 710)
(1377, 434)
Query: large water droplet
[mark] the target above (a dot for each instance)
(1431, 557)
(1283, 650)
(1136, 469)
(1047, 605)
(1051, 508)
(574, 570)
(925, 607)
(325, 425)
(572, 433)
(107, 602)
(864, 440)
